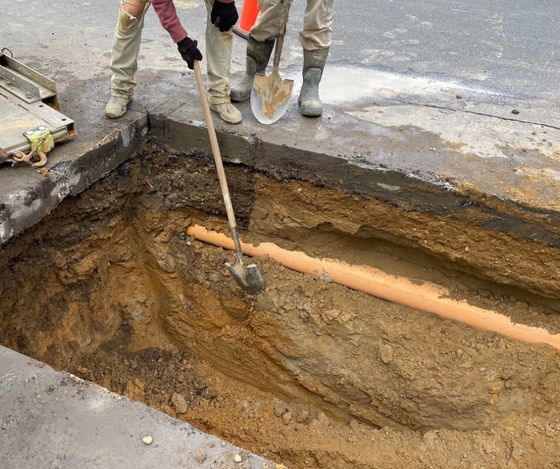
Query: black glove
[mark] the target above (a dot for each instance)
(189, 51)
(224, 15)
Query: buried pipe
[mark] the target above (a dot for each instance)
(426, 297)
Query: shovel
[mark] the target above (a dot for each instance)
(271, 95)
(247, 277)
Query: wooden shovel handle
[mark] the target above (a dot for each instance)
(281, 34)
(218, 160)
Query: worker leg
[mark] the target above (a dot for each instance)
(126, 45)
(317, 25)
(269, 20)
(218, 59)
(315, 39)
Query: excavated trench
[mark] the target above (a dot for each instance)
(308, 373)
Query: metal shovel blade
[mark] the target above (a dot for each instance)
(247, 277)
(270, 97)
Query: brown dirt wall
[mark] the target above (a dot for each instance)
(308, 373)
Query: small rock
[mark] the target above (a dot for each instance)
(332, 314)
(323, 419)
(314, 425)
(345, 317)
(201, 457)
(430, 437)
(180, 403)
(302, 416)
(387, 353)
(237, 458)
(287, 418)
(147, 440)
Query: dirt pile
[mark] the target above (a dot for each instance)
(307, 373)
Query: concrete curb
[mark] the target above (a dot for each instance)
(52, 419)
(28, 200)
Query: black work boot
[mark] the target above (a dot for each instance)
(310, 104)
(258, 54)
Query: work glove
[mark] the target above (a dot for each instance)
(189, 51)
(224, 15)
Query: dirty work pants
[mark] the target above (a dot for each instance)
(126, 46)
(317, 22)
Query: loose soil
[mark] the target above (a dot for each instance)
(308, 373)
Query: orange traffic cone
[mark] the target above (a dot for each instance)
(249, 15)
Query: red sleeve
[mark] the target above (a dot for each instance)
(167, 14)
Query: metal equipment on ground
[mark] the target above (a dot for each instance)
(30, 118)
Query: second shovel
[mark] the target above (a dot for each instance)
(271, 95)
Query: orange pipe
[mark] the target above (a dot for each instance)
(426, 297)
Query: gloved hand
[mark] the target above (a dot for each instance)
(224, 15)
(189, 51)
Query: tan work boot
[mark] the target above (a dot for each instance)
(228, 112)
(116, 107)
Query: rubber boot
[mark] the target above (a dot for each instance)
(116, 107)
(310, 104)
(258, 55)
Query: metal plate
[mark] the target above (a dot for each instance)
(25, 82)
(26, 105)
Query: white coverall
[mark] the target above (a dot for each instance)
(317, 22)
(126, 46)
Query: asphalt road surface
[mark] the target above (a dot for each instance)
(509, 46)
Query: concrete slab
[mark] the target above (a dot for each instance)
(56, 420)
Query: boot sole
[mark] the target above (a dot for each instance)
(114, 116)
(309, 114)
(235, 100)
